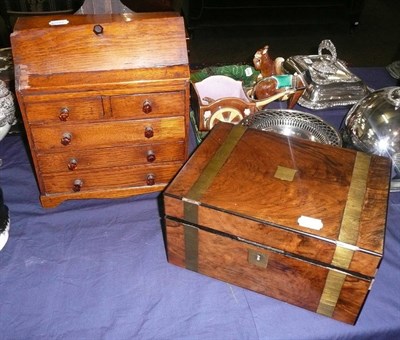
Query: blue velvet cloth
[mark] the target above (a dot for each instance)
(97, 269)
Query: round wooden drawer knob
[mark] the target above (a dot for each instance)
(77, 186)
(151, 156)
(64, 114)
(147, 108)
(66, 138)
(151, 179)
(98, 29)
(148, 132)
(72, 164)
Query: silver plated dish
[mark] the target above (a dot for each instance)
(293, 123)
(328, 81)
(373, 126)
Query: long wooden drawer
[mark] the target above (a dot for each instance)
(118, 177)
(148, 105)
(65, 110)
(265, 270)
(77, 160)
(107, 133)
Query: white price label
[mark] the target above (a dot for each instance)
(310, 222)
(60, 22)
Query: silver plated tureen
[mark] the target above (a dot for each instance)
(373, 125)
(328, 81)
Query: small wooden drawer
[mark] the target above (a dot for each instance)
(105, 158)
(118, 177)
(65, 110)
(107, 134)
(148, 105)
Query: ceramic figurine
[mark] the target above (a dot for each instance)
(265, 64)
(7, 119)
(7, 110)
(272, 80)
(291, 87)
(4, 222)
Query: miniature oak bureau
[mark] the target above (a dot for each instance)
(104, 100)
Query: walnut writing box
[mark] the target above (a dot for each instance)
(292, 219)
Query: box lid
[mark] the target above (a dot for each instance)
(321, 203)
(71, 50)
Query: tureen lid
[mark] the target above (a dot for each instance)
(381, 106)
(328, 80)
(373, 125)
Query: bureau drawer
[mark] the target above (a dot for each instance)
(70, 160)
(118, 177)
(107, 134)
(65, 110)
(148, 105)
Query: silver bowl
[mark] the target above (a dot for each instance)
(294, 123)
(373, 125)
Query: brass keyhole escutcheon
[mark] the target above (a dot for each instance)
(257, 258)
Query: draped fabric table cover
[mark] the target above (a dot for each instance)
(97, 269)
